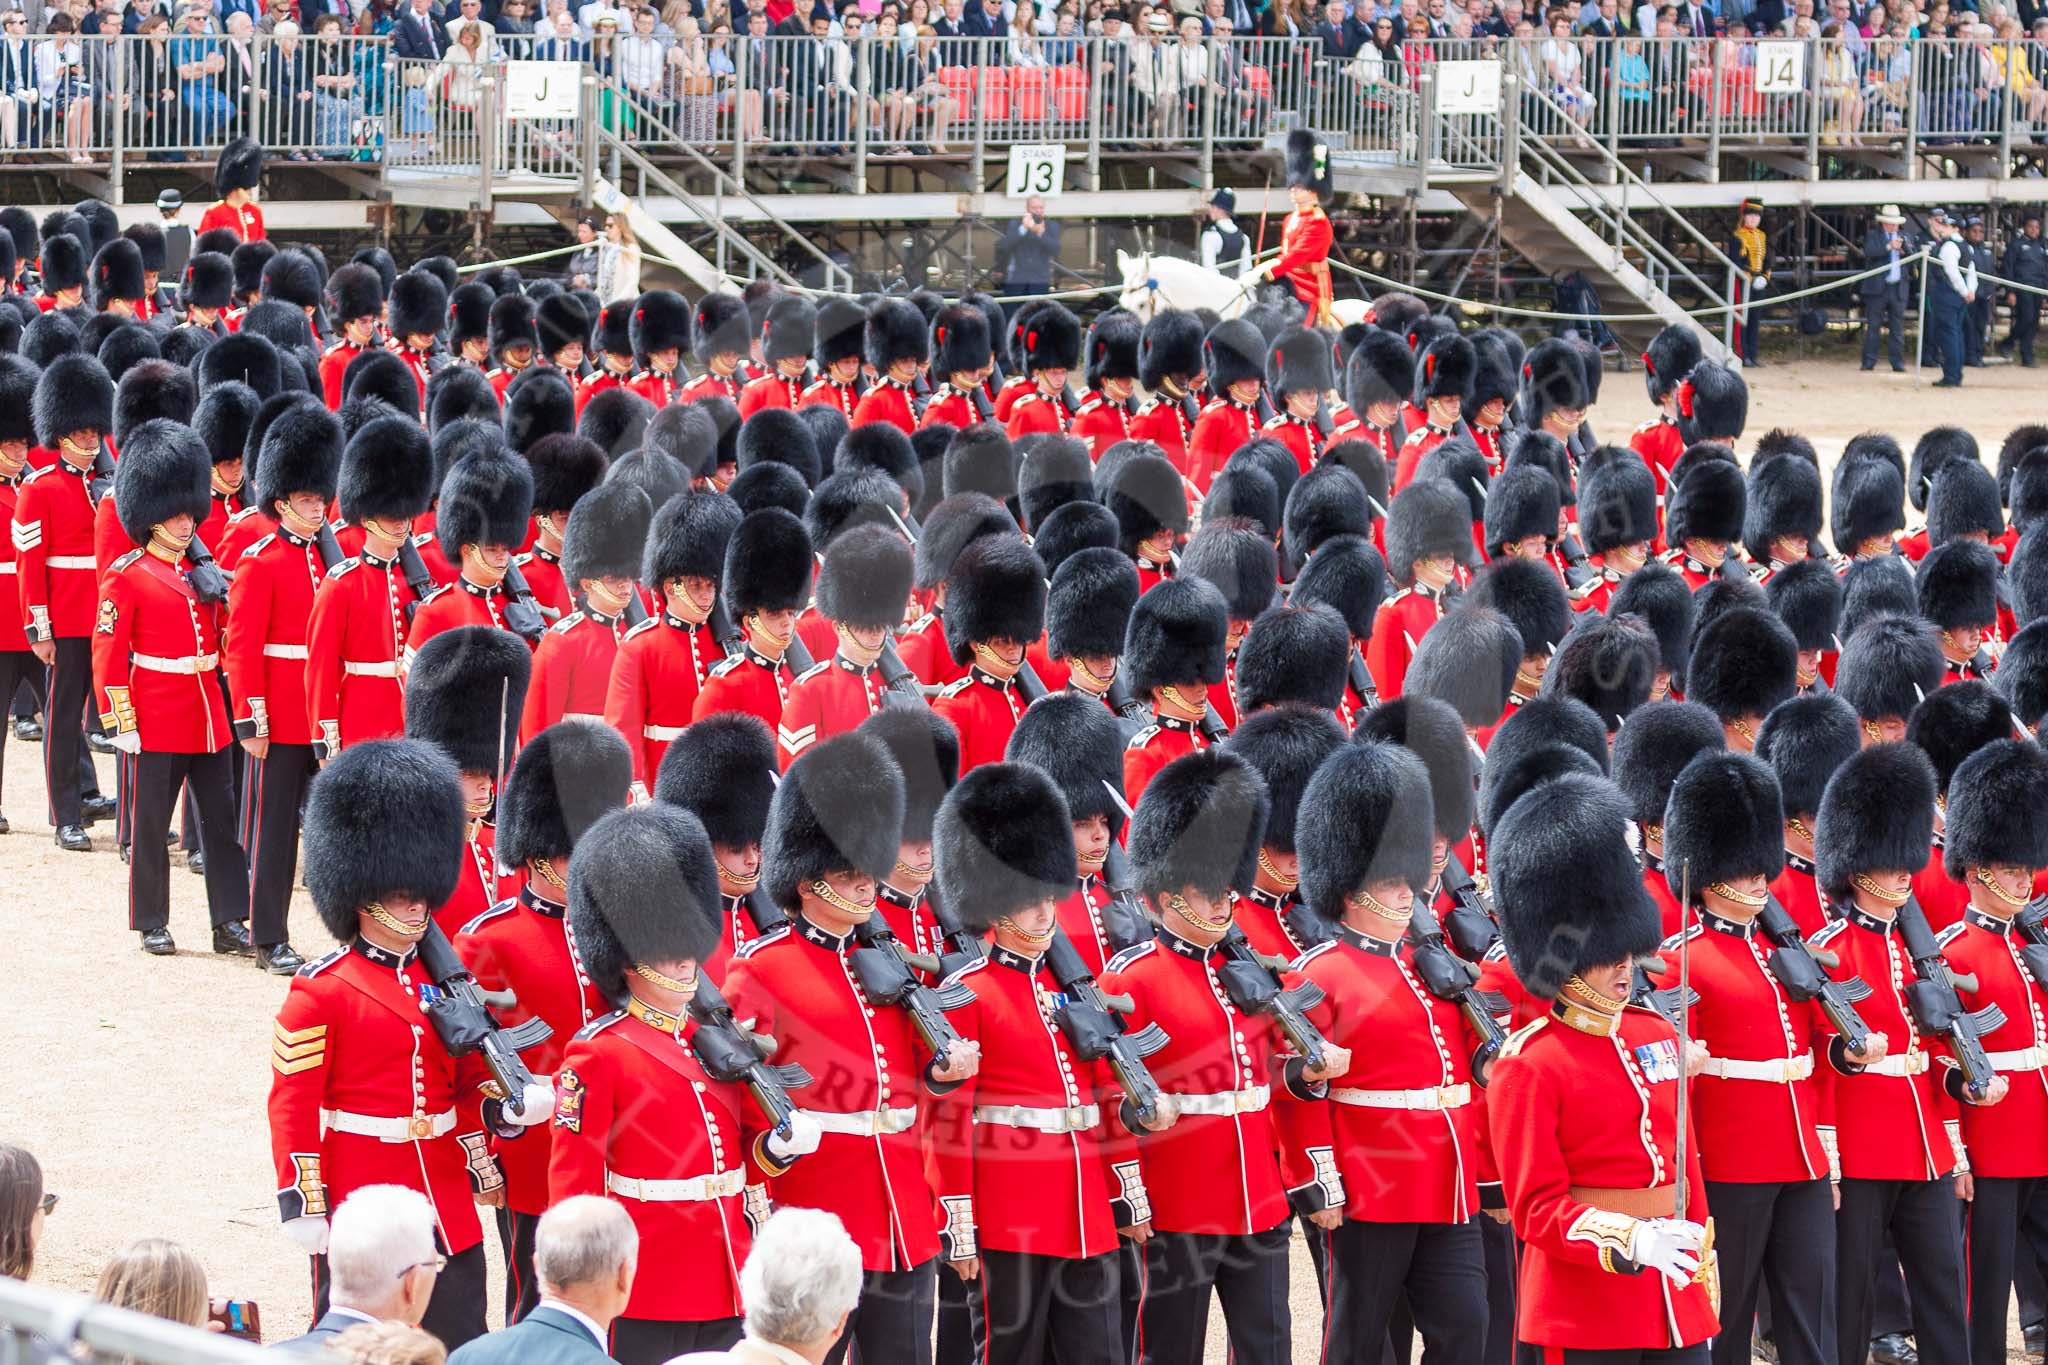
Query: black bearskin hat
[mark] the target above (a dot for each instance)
(1994, 809)
(1235, 556)
(1652, 748)
(1380, 371)
(564, 779)
(1618, 505)
(1052, 471)
(19, 224)
(722, 769)
(1468, 659)
(1955, 722)
(719, 325)
(240, 166)
(293, 277)
(1708, 504)
(787, 331)
(607, 534)
(1784, 499)
(1171, 347)
(661, 322)
(560, 322)
(688, 538)
(1807, 596)
(18, 378)
(877, 446)
(865, 578)
(926, 748)
(895, 331)
(2026, 576)
(1327, 501)
(1521, 503)
(614, 331)
(839, 808)
(300, 453)
(117, 273)
(1553, 377)
(74, 394)
(1176, 635)
(1088, 604)
(1246, 492)
(1889, 665)
(852, 497)
(465, 691)
(979, 459)
(1434, 733)
(768, 564)
(1958, 584)
(1071, 528)
(1725, 822)
(539, 402)
(1458, 462)
(1868, 501)
(995, 592)
(1964, 499)
(1076, 741)
(1300, 362)
(164, 470)
(1713, 404)
(1273, 459)
(209, 281)
(1113, 348)
(1539, 740)
(1529, 593)
(1936, 450)
(1348, 575)
(442, 268)
(1308, 162)
(838, 334)
(485, 500)
(1296, 653)
(1672, 355)
(469, 313)
(1002, 842)
(565, 467)
(2022, 676)
(354, 291)
(615, 421)
(1199, 824)
(1609, 663)
(1429, 518)
(643, 889)
(1446, 369)
(1494, 379)
(2019, 443)
(1147, 496)
(379, 374)
(1051, 340)
(512, 324)
(387, 472)
(1880, 586)
(1877, 815)
(1232, 353)
(770, 485)
(960, 340)
(224, 417)
(1743, 664)
(951, 527)
(419, 305)
(150, 389)
(461, 392)
(63, 264)
(1570, 893)
(1285, 745)
(1365, 817)
(780, 435)
(383, 819)
(1805, 740)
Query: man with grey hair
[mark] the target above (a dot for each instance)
(585, 1252)
(382, 1262)
(801, 1283)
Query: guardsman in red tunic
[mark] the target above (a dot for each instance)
(947, 528)
(480, 521)
(895, 346)
(18, 665)
(1150, 501)
(1866, 504)
(638, 1118)
(155, 658)
(1673, 354)
(961, 353)
(55, 585)
(1703, 520)
(1444, 375)
(236, 174)
(786, 346)
(1402, 1114)
(1494, 384)
(222, 421)
(356, 634)
(566, 779)
(416, 313)
(995, 606)
(834, 831)
(117, 279)
(1958, 587)
(1106, 415)
(1584, 1102)
(1170, 368)
(1306, 236)
(1284, 745)
(1032, 1159)
(1953, 723)
(1235, 359)
(64, 273)
(514, 339)
(1298, 374)
(1348, 577)
(572, 669)
(1889, 666)
(1897, 1147)
(1937, 449)
(270, 611)
(926, 748)
(1220, 1178)
(614, 343)
(355, 298)
(1650, 751)
(364, 1092)
(660, 330)
(722, 770)
(1758, 1107)
(863, 588)
(464, 693)
(1378, 378)
(206, 291)
(768, 568)
(1995, 847)
(1429, 537)
(1233, 554)
(1782, 514)
(565, 469)
(1804, 740)
(1050, 348)
(1078, 744)
(1618, 523)
(1174, 656)
(720, 337)
(1087, 607)
(1744, 664)
(837, 351)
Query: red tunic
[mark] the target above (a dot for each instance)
(222, 507)
(424, 365)
(350, 1041)
(922, 647)
(770, 391)
(985, 710)
(950, 406)
(1169, 423)
(796, 986)
(660, 667)
(1941, 900)
(157, 643)
(461, 603)
(657, 387)
(1402, 621)
(2008, 1139)
(748, 681)
(245, 528)
(830, 393)
(1155, 746)
(889, 402)
(1304, 261)
(1420, 442)
(595, 383)
(334, 363)
(709, 385)
(1299, 436)
(542, 569)
(12, 641)
(270, 611)
(245, 219)
(1101, 421)
(56, 581)
(1660, 445)
(1796, 891)
(826, 699)
(1225, 425)
(1037, 412)
(353, 642)
(1080, 918)
(572, 671)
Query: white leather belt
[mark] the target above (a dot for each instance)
(1226, 1103)
(867, 1123)
(378, 668)
(7, 567)
(284, 651)
(191, 663)
(1898, 1064)
(2025, 1059)
(71, 562)
(583, 715)
(413, 1129)
(665, 733)
(1430, 1097)
(1778, 1071)
(696, 1190)
(1075, 1118)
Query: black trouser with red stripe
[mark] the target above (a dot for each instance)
(1441, 1268)
(1783, 1234)
(1032, 1309)
(515, 1239)
(64, 729)
(1247, 1274)
(273, 793)
(2008, 1220)
(455, 1312)
(643, 1341)
(19, 668)
(157, 778)
(893, 1321)
(1923, 1220)
(1497, 1242)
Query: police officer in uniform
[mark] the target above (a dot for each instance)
(2026, 262)
(1225, 248)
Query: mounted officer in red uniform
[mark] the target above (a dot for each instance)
(1306, 236)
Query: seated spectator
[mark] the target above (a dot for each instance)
(643, 65)
(800, 1284)
(514, 17)
(63, 88)
(381, 1263)
(697, 87)
(1564, 70)
(18, 93)
(585, 1252)
(1024, 48)
(386, 1343)
(159, 1278)
(561, 43)
(334, 85)
(24, 1204)
(1841, 90)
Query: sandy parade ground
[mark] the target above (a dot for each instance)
(140, 1083)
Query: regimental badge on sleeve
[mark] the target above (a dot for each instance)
(108, 615)
(569, 1100)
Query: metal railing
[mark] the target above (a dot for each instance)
(41, 1327)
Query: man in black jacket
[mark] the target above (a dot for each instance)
(381, 1254)
(418, 34)
(1977, 319)
(2026, 262)
(1884, 295)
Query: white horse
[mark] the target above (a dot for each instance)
(1154, 283)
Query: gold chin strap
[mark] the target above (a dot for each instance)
(1532, 681)
(1889, 897)
(1990, 883)
(166, 546)
(1173, 695)
(545, 869)
(667, 983)
(992, 662)
(1729, 893)
(300, 527)
(222, 486)
(601, 598)
(1597, 1001)
(683, 608)
(824, 892)
(1280, 879)
(920, 873)
(1364, 900)
(1798, 827)
(853, 649)
(757, 632)
(1872, 732)
(749, 880)
(70, 447)
(1208, 929)
(1093, 859)
(1036, 942)
(1653, 833)
(1096, 682)
(1742, 727)
(395, 925)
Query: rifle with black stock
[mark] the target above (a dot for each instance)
(1798, 967)
(1252, 981)
(1452, 979)
(2032, 922)
(1469, 924)
(888, 972)
(461, 1016)
(1096, 1029)
(1937, 1007)
(740, 1056)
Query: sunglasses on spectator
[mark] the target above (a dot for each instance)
(49, 1197)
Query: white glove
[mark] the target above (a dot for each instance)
(309, 1233)
(1669, 1246)
(129, 742)
(804, 1136)
(538, 1106)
